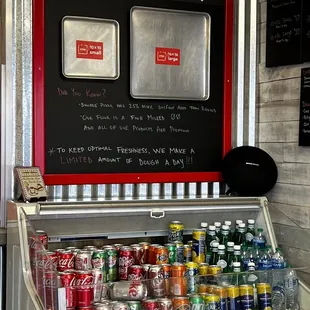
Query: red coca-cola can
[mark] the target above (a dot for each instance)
(150, 304)
(54, 258)
(84, 290)
(145, 257)
(43, 237)
(48, 290)
(35, 246)
(45, 261)
(135, 272)
(83, 260)
(57, 251)
(137, 253)
(67, 280)
(126, 260)
(65, 261)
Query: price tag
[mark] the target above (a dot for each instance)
(31, 182)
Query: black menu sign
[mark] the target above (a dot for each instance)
(306, 31)
(304, 118)
(284, 32)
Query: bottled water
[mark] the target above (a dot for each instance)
(259, 240)
(291, 287)
(278, 294)
(265, 260)
(278, 261)
(249, 257)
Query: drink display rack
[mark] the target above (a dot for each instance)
(37, 286)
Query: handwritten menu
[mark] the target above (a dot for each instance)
(95, 126)
(304, 118)
(284, 32)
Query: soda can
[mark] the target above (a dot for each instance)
(126, 260)
(128, 290)
(57, 251)
(117, 305)
(233, 299)
(203, 269)
(198, 247)
(146, 268)
(137, 253)
(54, 259)
(157, 281)
(263, 296)
(180, 303)
(102, 306)
(134, 305)
(48, 289)
(98, 276)
(175, 233)
(117, 246)
(145, 256)
(65, 261)
(214, 269)
(196, 302)
(83, 260)
(150, 304)
(191, 272)
(211, 301)
(167, 275)
(84, 290)
(43, 237)
(172, 249)
(246, 297)
(178, 283)
(105, 293)
(111, 256)
(179, 251)
(206, 288)
(135, 273)
(75, 251)
(90, 248)
(222, 293)
(67, 280)
(164, 303)
(71, 248)
(98, 259)
(187, 253)
(162, 255)
(152, 253)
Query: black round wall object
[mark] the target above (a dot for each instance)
(249, 171)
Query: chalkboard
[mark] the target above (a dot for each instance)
(93, 131)
(304, 116)
(284, 32)
(306, 31)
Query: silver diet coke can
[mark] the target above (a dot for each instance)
(157, 281)
(120, 305)
(133, 290)
(83, 260)
(98, 280)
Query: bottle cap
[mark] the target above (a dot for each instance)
(237, 247)
(221, 247)
(250, 221)
(203, 224)
(225, 227)
(211, 227)
(215, 244)
(260, 229)
(230, 243)
(242, 225)
(239, 222)
(217, 224)
(236, 264)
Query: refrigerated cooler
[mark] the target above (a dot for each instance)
(98, 223)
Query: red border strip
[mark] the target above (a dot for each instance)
(121, 178)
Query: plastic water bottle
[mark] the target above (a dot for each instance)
(291, 287)
(278, 293)
(265, 260)
(278, 261)
(249, 258)
(259, 240)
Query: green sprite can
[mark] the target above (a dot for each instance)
(98, 261)
(172, 252)
(134, 305)
(196, 302)
(111, 263)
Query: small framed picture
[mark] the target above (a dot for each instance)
(31, 182)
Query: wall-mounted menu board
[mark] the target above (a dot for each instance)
(93, 131)
(284, 32)
(305, 56)
(304, 116)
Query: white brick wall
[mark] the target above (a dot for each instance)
(278, 95)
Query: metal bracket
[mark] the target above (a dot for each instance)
(157, 213)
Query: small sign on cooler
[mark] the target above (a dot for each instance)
(167, 56)
(89, 50)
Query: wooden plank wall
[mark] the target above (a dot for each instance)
(278, 94)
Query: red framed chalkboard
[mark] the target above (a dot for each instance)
(166, 159)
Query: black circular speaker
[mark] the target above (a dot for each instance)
(249, 171)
